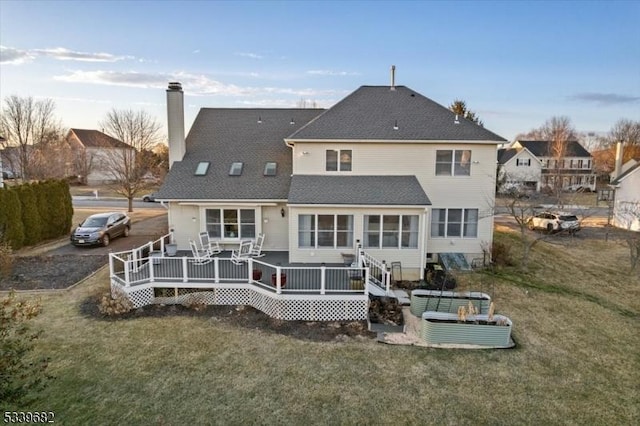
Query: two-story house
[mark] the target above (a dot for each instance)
(93, 151)
(385, 166)
(573, 168)
(518, 170)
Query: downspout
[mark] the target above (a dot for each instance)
(423, 244)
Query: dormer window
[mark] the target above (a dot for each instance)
(202, 168)
(270, 169)
(236, 169)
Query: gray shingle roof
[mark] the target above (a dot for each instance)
(506, 154)
(542, 148)
(226, 135)
(97, 139)
(357, 190)
(371, 112)
(627, 172)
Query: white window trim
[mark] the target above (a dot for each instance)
(335, 232)
(462, 223)
(452, 170)
(338, 165)
(221, 210)
(380, 245)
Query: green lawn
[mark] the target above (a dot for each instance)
(576, 322)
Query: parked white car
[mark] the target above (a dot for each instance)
(554, 222)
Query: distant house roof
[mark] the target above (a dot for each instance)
(222, 136)
(357, 190)
(506, 154)
(543, 148)
(626, 173)
(97, 139)
(372, 112)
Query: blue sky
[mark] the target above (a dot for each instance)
(515, 63)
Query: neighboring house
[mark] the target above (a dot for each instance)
(385, 166)
(626, 205)
(518, 169)
(92, 150)
(574, 169)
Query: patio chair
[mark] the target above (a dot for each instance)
(256, 249)
(212, 247)
(243, 253)
(200, 257)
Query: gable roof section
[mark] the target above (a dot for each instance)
(357, 190)
(371, 112)
(223, 136)
(97, 139)
(506, 154)
(627, 172)
(542, 148)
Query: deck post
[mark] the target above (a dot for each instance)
(185, 270)
(278, 282)
(151, 274)
(126, 272)
(323, 278)
(366, 281)
(249, 270)
(216, 270)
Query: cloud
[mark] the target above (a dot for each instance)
(604, 98)
(249, 55)
(331, 73)
(14, 56)
(9, 55)
(194, 84)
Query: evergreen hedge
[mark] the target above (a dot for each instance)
(32, 213)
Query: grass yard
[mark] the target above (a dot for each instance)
(576, 322)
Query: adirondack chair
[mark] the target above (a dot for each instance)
(210, 246)
(243, 253)
(200, 257)
(256, 249)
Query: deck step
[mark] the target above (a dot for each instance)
(402, 296)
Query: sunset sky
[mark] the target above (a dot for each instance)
(516, 64)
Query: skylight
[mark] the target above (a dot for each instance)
(236, 169)
(202, 168)
(270, 169)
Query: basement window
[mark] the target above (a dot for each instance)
(270, 169)
(236, 169)
(202, 168)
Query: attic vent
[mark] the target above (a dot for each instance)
(292, 121)
(395, 125)
(457, 120)
(259, 119)
(270, 169)
(236, 169)
(202, 168)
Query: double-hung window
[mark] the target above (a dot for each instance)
(454, 223)
(453, 162)
(338, 160)
(231, 223)
(523, 161)
(391, 231)
(325, 231)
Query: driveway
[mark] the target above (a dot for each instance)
(142, 232)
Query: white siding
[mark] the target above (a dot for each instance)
(627, 202)
(512, 172)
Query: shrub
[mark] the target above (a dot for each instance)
(20, 373)
(501, 254)
(6, 259)
(115, 304)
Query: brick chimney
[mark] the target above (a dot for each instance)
(175, 122)
(618, 165)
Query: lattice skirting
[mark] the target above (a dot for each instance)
(314, 308)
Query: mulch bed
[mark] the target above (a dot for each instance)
(50, 272)
(241, 316)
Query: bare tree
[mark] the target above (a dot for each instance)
(139, 131)
(26, 123)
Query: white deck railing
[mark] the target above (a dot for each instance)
(380, 275)
(141, 266)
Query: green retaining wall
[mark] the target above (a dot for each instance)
(436, 332)
(447, 301)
